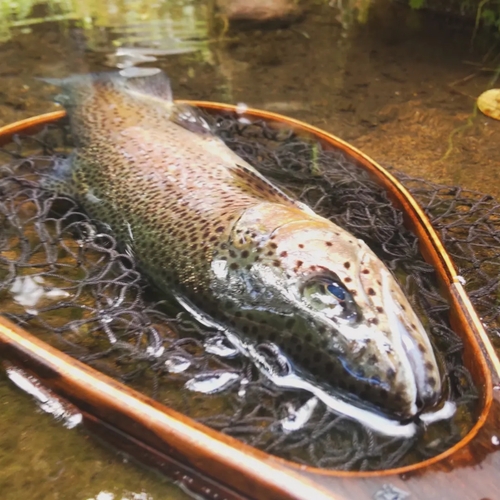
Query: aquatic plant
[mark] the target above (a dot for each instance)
(485, 13)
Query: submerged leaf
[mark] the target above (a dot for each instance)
(489, 103)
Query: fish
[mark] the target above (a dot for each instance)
(209, 230)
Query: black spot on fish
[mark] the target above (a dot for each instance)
(283, 254)
(347, 265)
(329, 243)
(422, 348)
(234, 266)
(244, 254)
(432, 381)
(429, 365)
(371, 291)
(380, 309)
(365, 271)
(301, 245)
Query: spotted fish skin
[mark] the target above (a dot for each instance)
(207, 227)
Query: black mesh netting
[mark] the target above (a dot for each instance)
(64, 279)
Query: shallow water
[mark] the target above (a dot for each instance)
(400, 86)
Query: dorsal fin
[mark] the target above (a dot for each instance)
(257, 185)
(146, 81)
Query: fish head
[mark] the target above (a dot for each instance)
(344, 318)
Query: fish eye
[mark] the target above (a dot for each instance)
(336, 290)
(328, 295)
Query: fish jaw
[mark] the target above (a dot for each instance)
(407, 330)
(373, 346)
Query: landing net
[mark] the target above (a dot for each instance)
(65, 279)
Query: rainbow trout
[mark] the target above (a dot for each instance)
(230, 246)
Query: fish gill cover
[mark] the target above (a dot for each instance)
(63, 278)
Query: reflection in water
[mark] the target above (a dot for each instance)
(177, 364)
(161, 27)
(46, 401)
(29, 291)
(211, 384)
(298, 417)
(107, 495)
(125, 57)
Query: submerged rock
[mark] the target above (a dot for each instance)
(260, 12)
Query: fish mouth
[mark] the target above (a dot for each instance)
(414, 350)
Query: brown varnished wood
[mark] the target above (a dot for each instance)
(29, 126)
(241, 467)
(151, 431)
